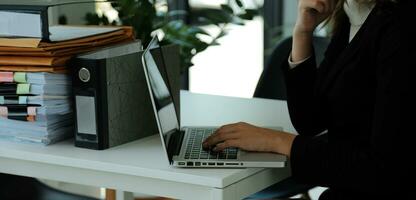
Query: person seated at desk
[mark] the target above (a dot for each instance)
(360, 97)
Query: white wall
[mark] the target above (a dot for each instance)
(234, 67)
(289, 19)
(289, 15)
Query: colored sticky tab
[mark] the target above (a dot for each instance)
(31, 118)
(23, 100)
(3, 111)
(1, 100)
(23, 89)
(20, 77)
(6, 77)
(31, 111)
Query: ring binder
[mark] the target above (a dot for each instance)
(112, 107)
(32, 17)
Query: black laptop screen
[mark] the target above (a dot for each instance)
(162, 97)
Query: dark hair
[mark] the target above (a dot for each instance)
(339, 14)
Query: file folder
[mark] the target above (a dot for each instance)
(112, 102)
(29, 19)
(34, 14)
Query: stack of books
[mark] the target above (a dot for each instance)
(36, 102)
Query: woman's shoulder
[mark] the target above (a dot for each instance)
(394, 19)
(397, 11)
(392, 29)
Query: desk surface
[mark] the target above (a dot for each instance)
(144, 158)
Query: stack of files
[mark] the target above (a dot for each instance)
(35, 107)
(35, 85)
(35, 55)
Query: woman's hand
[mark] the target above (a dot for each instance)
(311, 13)
(250, 138)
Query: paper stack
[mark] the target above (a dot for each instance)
(34, 55)
(35, 84)
(35, 107)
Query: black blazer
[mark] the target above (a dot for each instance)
(362, 96)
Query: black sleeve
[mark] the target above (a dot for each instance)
(300, 84)
(384, 166)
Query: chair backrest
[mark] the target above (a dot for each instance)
(271, 84)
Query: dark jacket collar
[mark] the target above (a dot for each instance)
(340, 51)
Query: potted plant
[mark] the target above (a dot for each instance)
(180, 41)
(144, 17)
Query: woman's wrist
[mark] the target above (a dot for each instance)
(282, 143)
(301, 46)
(298, 30)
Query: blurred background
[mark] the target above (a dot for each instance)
(224, 55)
(231, 68)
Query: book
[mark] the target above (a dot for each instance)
(12, 110)
(30, 46)
(32, 130)
(32, 110)
(34, 60)
(45, 137)
(35, 78)
(34, 89)
(29, 19)
(42, 100)
(65, 33)
(41, 121)
(51, 69)
(45, 130)
(6, 77)
(18, 20)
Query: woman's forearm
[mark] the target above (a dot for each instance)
(301, 46)
(310, 14)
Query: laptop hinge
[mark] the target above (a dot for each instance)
(175, 143)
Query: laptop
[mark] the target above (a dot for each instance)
(183, 145)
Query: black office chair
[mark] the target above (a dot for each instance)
(18, 187)
(272, 86)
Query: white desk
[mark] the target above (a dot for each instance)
(140, 166)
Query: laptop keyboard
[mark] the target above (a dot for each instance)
(194, 148)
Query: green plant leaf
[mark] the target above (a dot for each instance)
(246, 16)
(239, 3)
(218, 17)
(205, 20)
(237, 21)
(180, 42)
(227, 8)
(201, 46)
(175, 13)
(249, 14)
(215, 43)
(196, 30)
(253, 12)
(177, 24)
(222, 34)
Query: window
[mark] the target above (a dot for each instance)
(234, 67)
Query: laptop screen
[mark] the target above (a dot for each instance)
(162, 98)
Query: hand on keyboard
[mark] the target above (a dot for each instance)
(250, 138)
